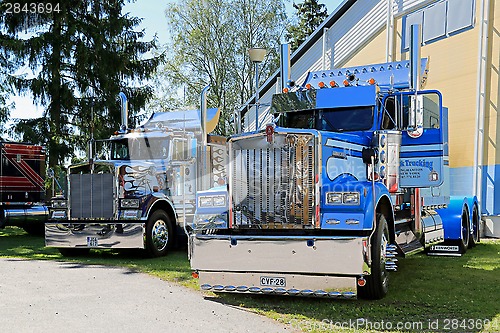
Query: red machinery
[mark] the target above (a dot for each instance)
(22, 191)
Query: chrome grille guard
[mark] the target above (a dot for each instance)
(273, 180)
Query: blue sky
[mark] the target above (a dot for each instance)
(154, 21)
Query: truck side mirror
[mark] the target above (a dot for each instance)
(416, 116)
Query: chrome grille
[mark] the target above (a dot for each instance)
(91, 196)
(272, 184)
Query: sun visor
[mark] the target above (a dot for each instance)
(187, 120)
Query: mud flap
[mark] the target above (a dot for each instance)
(444, 250)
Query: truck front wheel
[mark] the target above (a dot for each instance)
(378, 281)
(159, 234)
(73, 252)
(465, 230)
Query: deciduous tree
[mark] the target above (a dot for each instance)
(210, 42)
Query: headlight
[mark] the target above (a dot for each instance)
(205, 202)
(339, 198)
(59, 204)
(333, 198)
(351, 198)
(219, 200)
(129, 203)
(212, 201)
(59, 214)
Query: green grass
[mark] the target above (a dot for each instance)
(15, 242)
(431, 294)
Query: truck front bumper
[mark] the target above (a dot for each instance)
(308, 266)
(105, 235)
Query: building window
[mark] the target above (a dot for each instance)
(439, 20)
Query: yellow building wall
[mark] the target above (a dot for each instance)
(453, 70)
(492, 119)
(372, 53)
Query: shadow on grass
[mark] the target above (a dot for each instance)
(15, 242)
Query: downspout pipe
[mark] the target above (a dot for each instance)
(481, 100)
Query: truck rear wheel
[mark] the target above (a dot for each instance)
(159, 234)
(475, 232)
(378, 281)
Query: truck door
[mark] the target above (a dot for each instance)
(420, 117)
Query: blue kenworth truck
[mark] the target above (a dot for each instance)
(352, 172)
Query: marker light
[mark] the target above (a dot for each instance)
(285, 90)
(333, 84)
(321, 84)
(308, 86)
(347, 83)
(195, 275)
(371, 81)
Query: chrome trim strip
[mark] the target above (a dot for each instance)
(262, 237)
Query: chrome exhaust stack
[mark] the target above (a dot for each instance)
(285, 65)
(124, 109)
(415, 60)
(203, 114)
(205, 175)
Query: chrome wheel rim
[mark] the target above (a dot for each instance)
(159, 235)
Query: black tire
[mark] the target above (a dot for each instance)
(475, 236)
(463, 243)
(73, 252)
(159, 234)
(377, 282)
(36, 229)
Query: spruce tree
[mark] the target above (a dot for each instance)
(83, 53)
(310, 15)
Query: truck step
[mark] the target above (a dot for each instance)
(411, 247)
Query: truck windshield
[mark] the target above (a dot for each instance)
(139, 149)
(335, 120)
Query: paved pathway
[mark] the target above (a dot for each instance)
(49, 296)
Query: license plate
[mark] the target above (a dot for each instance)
(92, 242)
(271, 281)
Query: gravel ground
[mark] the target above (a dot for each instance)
(49, 296)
